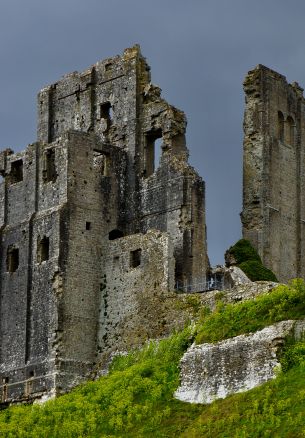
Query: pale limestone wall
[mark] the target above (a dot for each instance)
(213, 371)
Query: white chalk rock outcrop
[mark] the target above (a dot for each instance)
(212, 371)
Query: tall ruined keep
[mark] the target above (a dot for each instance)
(273, 214)
(93, 231)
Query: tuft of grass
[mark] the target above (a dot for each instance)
(136, 399)
(134, 395)
(284, 302)
(275, 409)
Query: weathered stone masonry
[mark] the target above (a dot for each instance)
(93, 235)
(274, 171)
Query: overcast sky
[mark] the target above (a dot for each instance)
(199, 52)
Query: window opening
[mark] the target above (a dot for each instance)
(135, 258)
(16, 174)
(43, 247)
(158, 152)
(101, 161)
(111, 113)
(280, 126)
(290, 130)
(106, 113)
(88, 226)
(108, 66)
(115, 234)
(153, 141)
(178, 271)
(12, 259)
(49, 167)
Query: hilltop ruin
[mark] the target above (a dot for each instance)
(95, 234)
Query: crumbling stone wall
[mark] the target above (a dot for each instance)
(115, 100)
(274, 175)
(90, 188)
(139, 272)
(30, 256)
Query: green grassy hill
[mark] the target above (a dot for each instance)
(135, 399)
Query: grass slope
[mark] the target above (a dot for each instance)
(135, 399)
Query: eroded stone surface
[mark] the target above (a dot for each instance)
(80, 269)
(274, 171)
(212, 371)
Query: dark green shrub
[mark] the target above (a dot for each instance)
(247, 259)
(243, 251)
(256, 271)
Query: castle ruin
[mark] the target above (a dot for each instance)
(94, 233)
(273, 214)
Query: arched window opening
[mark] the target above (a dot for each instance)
(153, 141)
(280, 126)
(290, 131)
(115, 234)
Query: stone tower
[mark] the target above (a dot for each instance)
(273, 214)
(92, 228)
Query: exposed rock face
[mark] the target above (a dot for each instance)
(212, 371)
(238, 276)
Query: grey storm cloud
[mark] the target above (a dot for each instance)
(199, 52)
